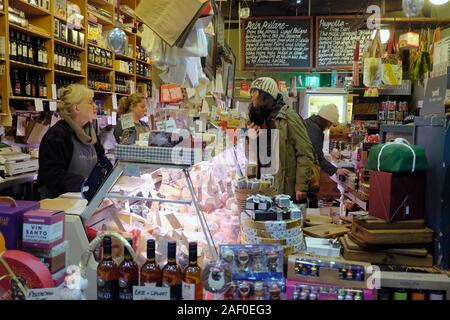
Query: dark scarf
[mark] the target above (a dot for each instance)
(265, 114)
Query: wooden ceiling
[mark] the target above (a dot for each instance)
(318, 7)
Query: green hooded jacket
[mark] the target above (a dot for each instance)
(296, 153)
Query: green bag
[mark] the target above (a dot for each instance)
(397, 156)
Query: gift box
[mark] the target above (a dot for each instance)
(11, 220)
(55, 258)
(397, 196)
(322, 247)
(43, 228)
(283, 201)
(270, 215)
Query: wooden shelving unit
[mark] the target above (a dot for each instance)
(44, 19)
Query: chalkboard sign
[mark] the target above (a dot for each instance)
(283, 43)
(335, 41)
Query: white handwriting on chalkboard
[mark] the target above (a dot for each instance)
(337, 42)
(276, 44)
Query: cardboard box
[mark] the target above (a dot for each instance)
(43, 228)
(328, 271)
(322, 247)
(325, 291)
(418, 281)
(397, 196)
(11, 220)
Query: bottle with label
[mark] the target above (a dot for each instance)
(27, 85)
(30, 51)
(128, 275)
(19, 47)
(34, 87)
(17, 85)
(171, 273)
(192, 288)
(150, 271)
(107, 274)
(43, 87)
(24, 49)
(12, 46)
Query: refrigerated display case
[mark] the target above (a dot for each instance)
(315, 98)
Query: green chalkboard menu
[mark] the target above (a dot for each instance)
(282, 43)
(336, 39)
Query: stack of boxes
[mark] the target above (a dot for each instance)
(273, 221)
(43, 236)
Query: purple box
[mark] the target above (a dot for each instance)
(43, 228)
(11, 220)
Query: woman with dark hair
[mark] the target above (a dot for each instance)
(293, 154)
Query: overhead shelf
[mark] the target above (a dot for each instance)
(30, 10)
(124, 74)
(29, 31)
(123, 57)
(20, 65)
(69, 45)
(138, 77)
(69, 74)
(99, 68)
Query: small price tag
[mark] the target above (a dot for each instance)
(144, 137)
(114, 101)
(109, 120)
(114, 118)
(52, 106)
(213, 113)
(151, 293)
(132, 171)
(44, 294)
(127, 121)
(39, 104)
(54, 92)
(170, 125)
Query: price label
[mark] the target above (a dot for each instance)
(54, 92)
(39, 104)
(132, 171)
(151, 293)
(114, 101)
(52, 106)
(44, 294)
(114, 118)
(127, 121)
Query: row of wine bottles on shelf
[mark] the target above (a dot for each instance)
(100, 57)
(99, 82)
(24, 49)
(28, 86)
(62, 82)
(67, 60)
(116, 282)
(141, 54)
(122, 85)
(143, 70)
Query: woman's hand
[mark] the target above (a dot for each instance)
(299, 196)
(253, 130)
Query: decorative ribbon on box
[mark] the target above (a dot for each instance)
(164, 155)
(270, 225)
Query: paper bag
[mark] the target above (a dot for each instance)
(373, 75)
(172, 20)
(392, 64)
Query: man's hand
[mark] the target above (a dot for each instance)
(342, 172)
(299, 196)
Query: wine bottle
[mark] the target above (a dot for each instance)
(150, 271)
(27, 85)
(171, 273)
(192, 288)
(107, 274)
(128, 275)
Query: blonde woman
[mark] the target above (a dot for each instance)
(134, 104)
(70, 149)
